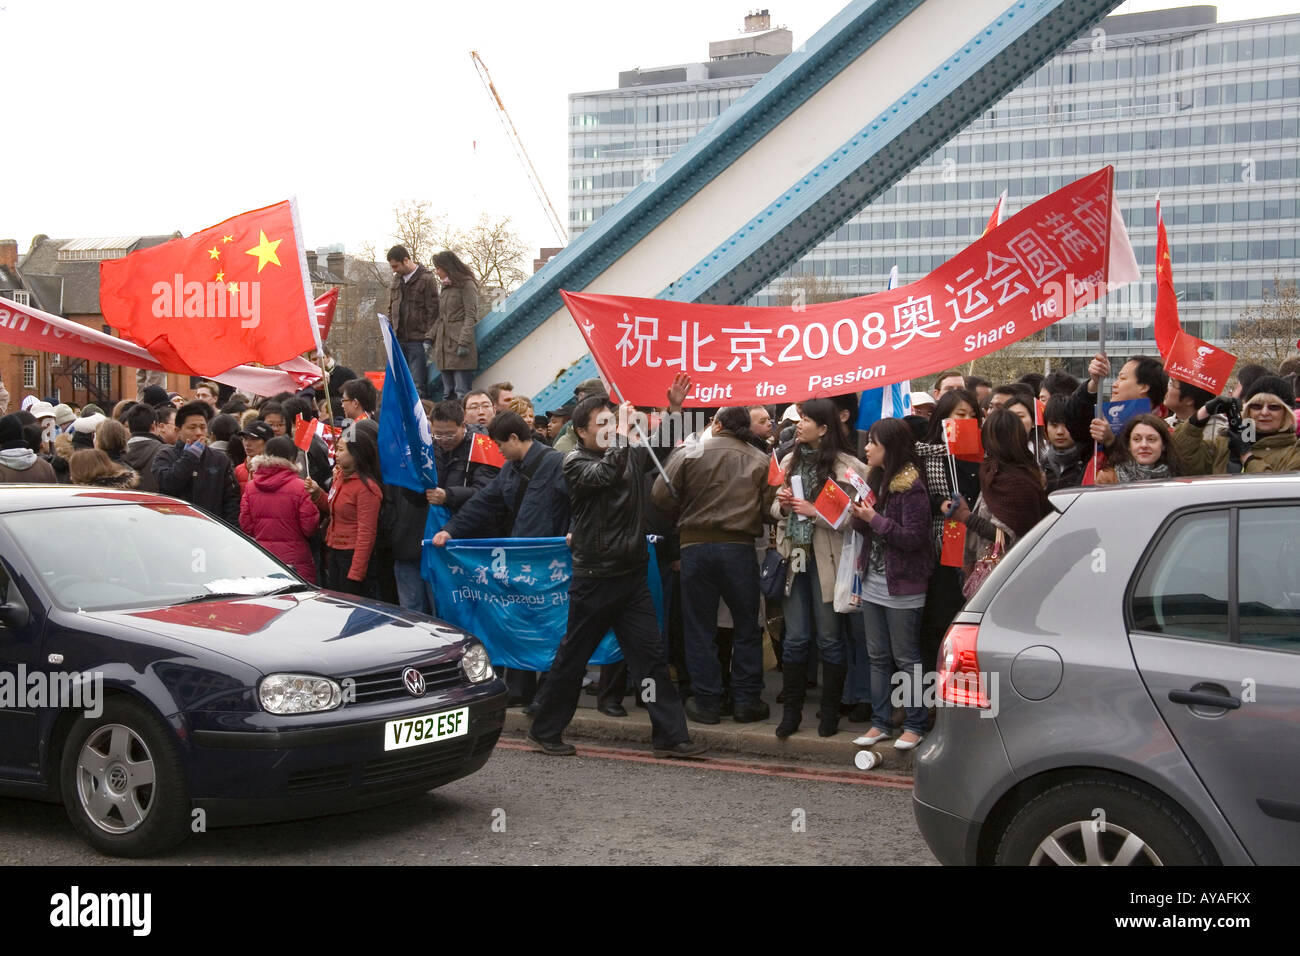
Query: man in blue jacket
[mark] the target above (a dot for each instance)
(193, 472)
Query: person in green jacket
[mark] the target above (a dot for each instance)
(1270, 404)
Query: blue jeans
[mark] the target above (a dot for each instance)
(413, 351)
(713, 570)
(808, 617)
(457, 382)
(894, 644)
(413, 592)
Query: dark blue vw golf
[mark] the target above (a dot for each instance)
(158, 669)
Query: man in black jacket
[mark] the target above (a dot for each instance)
(143, 445)
(192, 471)
(608, 587)
(459, 479)
(413, 311)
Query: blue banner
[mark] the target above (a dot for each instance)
(513, 594)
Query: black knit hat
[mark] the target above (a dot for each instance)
(1271, 385)
(11, 433)
(154, 395)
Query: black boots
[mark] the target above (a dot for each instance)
(832, 689)
(792, 678)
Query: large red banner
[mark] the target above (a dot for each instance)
(1039, 266)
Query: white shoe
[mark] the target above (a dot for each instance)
(868, 740)
(901, 744)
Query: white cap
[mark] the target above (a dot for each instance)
(922, 398)
(41, 410)
(791, 414)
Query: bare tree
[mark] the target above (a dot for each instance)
(797, 291)
(1267, 334)
(417, 229)
(1011, 361)
(492, 249)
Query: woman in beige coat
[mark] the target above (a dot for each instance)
(813, 548)
(455, 352)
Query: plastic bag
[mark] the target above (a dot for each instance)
(848, 580)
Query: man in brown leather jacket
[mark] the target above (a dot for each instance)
(720, 494)
(413, 310)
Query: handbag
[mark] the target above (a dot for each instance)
(848, 580)
(772, 575)
(984, 566)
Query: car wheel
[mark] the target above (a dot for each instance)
(1100, 822)
(122, 782)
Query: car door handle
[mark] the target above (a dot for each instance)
(1204, 699)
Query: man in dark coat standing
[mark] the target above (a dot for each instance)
(193, 472)
(413, 311)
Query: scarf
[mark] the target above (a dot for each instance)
(1127, 471)
(798, 528)
(1013, 496)
(1059, 459)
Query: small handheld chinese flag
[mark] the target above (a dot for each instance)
(954, 544)
(303, 429)
(962, 436)
(484, 451)
(775, 476)
(833, 503)
(1038, 412)
(1167, 324)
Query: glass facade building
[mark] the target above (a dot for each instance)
(1205, 114)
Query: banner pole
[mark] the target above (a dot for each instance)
(1105, 280)
(311, 307)
(653, 457)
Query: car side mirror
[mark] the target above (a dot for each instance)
(14, 613)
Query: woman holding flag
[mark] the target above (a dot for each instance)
(812, 545)
(353, 505)
(897, 561)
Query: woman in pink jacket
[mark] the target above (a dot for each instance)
(276, 508)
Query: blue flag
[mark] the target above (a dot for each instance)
(890, 401)
(405, 440)
(1117, 414)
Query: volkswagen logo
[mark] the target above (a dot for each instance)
(414, 681)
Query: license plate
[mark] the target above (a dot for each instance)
(428, 729)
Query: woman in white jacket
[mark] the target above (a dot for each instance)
(812, 547)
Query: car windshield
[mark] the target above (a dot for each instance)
(142, 553)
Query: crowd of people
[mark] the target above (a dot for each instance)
(750, 566)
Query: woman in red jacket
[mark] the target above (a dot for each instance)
(353, 509)
(276, 508)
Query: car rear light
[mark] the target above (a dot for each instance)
(961, 682)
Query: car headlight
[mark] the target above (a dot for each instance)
(298, 694)
(475, 663)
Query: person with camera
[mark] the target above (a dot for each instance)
(1260, 437)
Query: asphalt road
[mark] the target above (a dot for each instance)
(525, 808)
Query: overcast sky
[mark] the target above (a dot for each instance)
(137, 117)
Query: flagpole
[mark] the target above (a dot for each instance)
(311, 306)
(1105, 280)
(637, 428)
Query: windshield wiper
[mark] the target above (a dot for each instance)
(288, 589)
(214, 595)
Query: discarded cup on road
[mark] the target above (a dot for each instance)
(866, 759)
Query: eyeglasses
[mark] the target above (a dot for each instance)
(444, 437)
(478, 405)
(1270, 407)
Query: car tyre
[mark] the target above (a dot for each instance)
(122, 782)
(1136, 827)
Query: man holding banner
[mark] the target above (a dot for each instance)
(608, 587)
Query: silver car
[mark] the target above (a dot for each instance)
(1125, 687)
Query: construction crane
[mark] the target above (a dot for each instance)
(513, 135)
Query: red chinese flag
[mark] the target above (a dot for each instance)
(954, 544)
(963, 438)
(775, 476)
(237, 292)
(376, 379)
(1038, 412)
(833, 503)
(1090, 473)
(325, 305)
(303, 429)
(485, 451)
(1167, 324)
